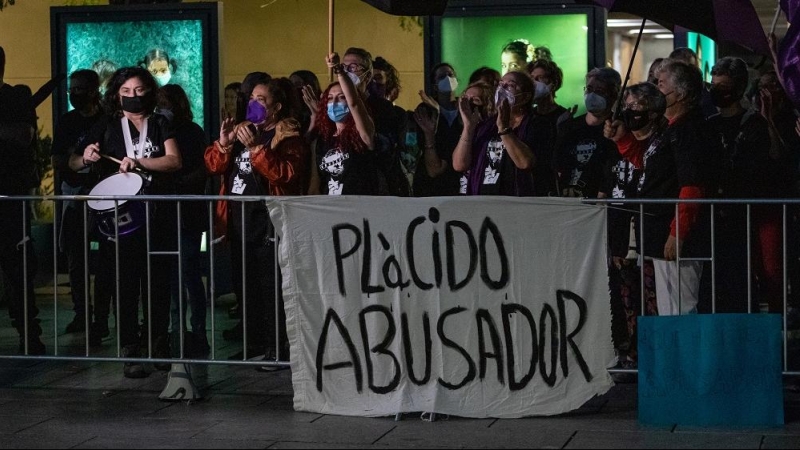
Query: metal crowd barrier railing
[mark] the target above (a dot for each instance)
(638, 208)
(25, 202)
(635, 206)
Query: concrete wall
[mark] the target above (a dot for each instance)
(279, 38)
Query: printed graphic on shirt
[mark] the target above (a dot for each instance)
(647, 155)
(333, 164)
(148, 151)
(464, 183)
(583, 153)
(245, 167)
(624, 175)
(495, 151)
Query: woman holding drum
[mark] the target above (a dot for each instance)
(147, 155)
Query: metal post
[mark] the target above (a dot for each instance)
(149, 287)
(211, 277)
(55, 276)
(749, 259)
(713, 261)
(277, 294)
(244, 284)
(785, 292)
(25, 274)
(642, 257)
(180, 282)
(118, 278)
(86, 278)
(678, 255)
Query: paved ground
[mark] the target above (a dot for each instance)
(86, 405)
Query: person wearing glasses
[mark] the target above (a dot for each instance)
(581, 149)
(507, 155)
(390, 124)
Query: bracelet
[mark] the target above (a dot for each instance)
(505, 131)
(225, 149)
(338, 69)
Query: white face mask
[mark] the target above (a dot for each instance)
(354, 78)
(542, 90)
(448, 84)
(163, 79)
(502, 94)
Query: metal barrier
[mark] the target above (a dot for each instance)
(210, 201)
(638, 208)
(81, 202)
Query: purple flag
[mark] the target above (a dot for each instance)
(789, 54)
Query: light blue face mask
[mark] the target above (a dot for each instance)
(338, 112)
(595, 104)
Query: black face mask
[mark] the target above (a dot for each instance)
(635, 120)
(133, 105)
(722, 98)
(79, 101)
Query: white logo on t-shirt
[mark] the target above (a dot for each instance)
(495, 152)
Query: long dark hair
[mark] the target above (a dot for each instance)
(111, 99)
(176, 97)
(283, 91)
(349, 138)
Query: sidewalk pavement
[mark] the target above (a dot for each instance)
(86, 405)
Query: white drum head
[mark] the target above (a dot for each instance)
(125, 184)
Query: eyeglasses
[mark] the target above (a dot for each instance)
(512, 86)
(355, 68)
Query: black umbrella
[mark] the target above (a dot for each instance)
(410, 7)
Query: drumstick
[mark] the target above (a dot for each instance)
(111, 158)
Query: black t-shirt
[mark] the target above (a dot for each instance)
(345, 172)
(582, 155)
(108, 133)
(390, 130)
(192, 178)
(678, 156)
(448, 183)
(17, 172)
(245, 181)
(71, 133)
(745, 169)
(496, 172)
(621, 181)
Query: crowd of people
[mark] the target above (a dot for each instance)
(671, 136)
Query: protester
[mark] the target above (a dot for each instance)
(160, 65)
(143, 142)
(582, 152)
(263, 156)
(485, 75)
(688, 56)
(752, 167)
(675, 161)
(84, 95)
(17, 131)
(306, 80)
(440, 126)
(231, 96)
(389, 123)
(511, 154)
(346, 162)
(651, 72)
(643, 114)
(515, 56)
(548, 78)
(190, 180)
(481, 99)
(385, 80)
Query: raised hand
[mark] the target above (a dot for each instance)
(503, 115)
(426, 99)
(311, 99)
(227, 132)
(614, 130)
(471, 118)
(332, 60)
(426, 119)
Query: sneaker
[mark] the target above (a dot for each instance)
(78, 325)
(133, 370)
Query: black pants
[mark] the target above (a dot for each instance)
(73, 235)
(260, 298)
(13, 251)
(135, 285)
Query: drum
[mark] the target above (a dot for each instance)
(132, 215)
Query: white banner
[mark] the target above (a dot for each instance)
(475, 307)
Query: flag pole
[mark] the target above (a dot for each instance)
(331, 29)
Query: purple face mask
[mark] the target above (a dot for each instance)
(256, 112)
